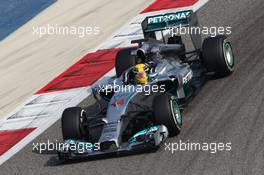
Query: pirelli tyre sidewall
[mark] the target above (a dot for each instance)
(217, 55)
(166, 112)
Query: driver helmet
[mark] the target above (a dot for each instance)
(140, 73)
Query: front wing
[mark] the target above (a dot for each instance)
(146, 140)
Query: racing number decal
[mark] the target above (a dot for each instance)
(118, 103)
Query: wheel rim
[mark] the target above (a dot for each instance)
(176, 112)
(228, 54)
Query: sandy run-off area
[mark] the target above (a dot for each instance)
(28, 61)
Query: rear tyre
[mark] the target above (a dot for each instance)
(218, 56)
(73, 123)
(167, 112)
(124, 60)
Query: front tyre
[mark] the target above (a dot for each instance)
(73, 120)
(218, 56)
(167, 112)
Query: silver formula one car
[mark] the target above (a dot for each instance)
(142, 105)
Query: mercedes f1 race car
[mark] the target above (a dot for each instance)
(142, 105)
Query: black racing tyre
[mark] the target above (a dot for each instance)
(167, 112)
(218, 56)
(124, 60)
(72, 123)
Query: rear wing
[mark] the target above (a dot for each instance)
(165, 21)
